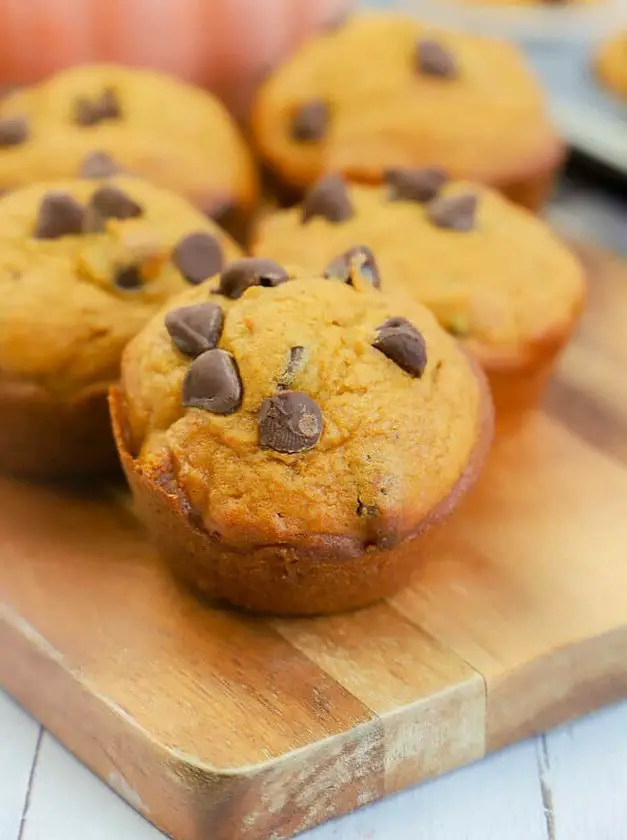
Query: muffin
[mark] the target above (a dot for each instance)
(611, 64)
(288, 439)
(83, 266)
(494, 275)
(91, 120)
(387, 91)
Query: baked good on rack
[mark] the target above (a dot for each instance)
(288, 438)
(611, 64)
(494, 275)
(83, 265)
(387, 91)
(92, 120)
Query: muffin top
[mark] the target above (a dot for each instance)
(611, 63)
(493, 274)
(147, 123)
(281, 405)
(385, 90)
(83, 265)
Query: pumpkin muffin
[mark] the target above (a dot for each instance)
(91, 120)
(289, 438)
(83, 266)
(611, 64)
(494, 275)
(388, 91)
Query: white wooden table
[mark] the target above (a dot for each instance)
(568, 785)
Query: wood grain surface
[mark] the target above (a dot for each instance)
(208, 721)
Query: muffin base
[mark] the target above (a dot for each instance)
(45, 439)
(322, 574)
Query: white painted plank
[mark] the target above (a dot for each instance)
(586, 773)
(497, 798)
(67, 801)
(18, 742)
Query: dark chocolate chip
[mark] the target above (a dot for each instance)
(195, 329)
(358, 259)
(366, 510)
(310, 121)
(198, 256)
(419, 185)
(213, 383)
(454, 212)
(88, 112)
(400, 341)
(129, 277)
(59, 215)
(109, 203)
(295, 363)
(250, 271)
(13, 131)
(329, 199)
(289, 422)
(98, 165)
(433, 59)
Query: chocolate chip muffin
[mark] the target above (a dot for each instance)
(611, 64)
(288, 439)
(495, 276)
(93, 119)
(388, 91)
(83, 266)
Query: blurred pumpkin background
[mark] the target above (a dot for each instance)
(226, 45)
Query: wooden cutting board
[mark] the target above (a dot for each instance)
(220, 726)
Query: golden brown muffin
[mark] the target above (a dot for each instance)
(91, 119)
(288, 438)
(611, 64)
(83, 266)
(494, 275)
(388, 91)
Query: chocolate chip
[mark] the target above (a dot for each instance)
(59, 215)
(88, 112)
(250, 271)
(310, 121)
(296, 361)
(454, 212)
(198, 256)
(329, 199)
(400, 341)
(98, 165)
(419, 185)
(433, 59)
(359, 259)
(129, 277)
(109, 203)
(195, 329)
(13, 131)
(289, 422)
(366, 510)
(213, 383)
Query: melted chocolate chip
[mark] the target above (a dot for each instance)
(98, 165)
(198, 257)
(109, 203)
(129, 277)
(400, 341)
(420, 185)
(289, 422)
(13, 131)
(59, 215)
(213, 383)
(432, 59)
(195, 329)
(310, 121)
(88, 112)
(329, 199)
(359, 259)
(366, 510)
(295, 363)
(250, 271)
(454, 212)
